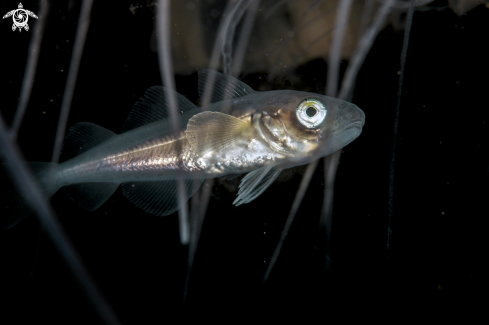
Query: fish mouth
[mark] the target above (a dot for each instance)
(356, 123)
(348, 133)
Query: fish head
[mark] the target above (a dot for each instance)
(306, 126)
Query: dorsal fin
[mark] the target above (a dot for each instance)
(83, 136)
(225, 86)
(153, 106)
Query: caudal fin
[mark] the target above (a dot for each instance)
(14, 206)
(82, 137)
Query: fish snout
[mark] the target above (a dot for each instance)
(352, 114)
(350, 121)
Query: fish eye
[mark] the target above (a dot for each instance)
(311, 112)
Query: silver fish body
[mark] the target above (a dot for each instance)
(153, 151)
(259, 133)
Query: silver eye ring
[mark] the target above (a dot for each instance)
(311, 112)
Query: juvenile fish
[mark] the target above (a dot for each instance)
(240, 131)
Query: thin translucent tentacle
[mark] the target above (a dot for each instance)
(28, 187)
(306, 179)
(231, 22)
(405, 45)
(30, 70)
(362, 49)
(244, 38)
(81, 33)
(336, 47)
(165, 61)
(203, 195)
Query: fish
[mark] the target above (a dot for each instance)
(240, 131)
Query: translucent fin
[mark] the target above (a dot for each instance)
(255, 183)
(14, 206)
(225, 86)
(213, 131)
(82, 137)
(159, 197)
(153, 107)
(91, 196)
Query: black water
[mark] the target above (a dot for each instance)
(437, 263)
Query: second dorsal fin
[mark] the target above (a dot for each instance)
(153, 106)
(82, 137)
(225, 86)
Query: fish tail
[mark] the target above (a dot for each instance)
(82, 137)
(14, 205)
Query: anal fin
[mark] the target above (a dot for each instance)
(159, 197)
(91, 196)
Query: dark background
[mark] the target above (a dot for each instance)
(437, 263)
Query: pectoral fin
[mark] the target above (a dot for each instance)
(213, 131)
(255, 183)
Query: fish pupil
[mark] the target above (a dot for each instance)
(311, 111)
